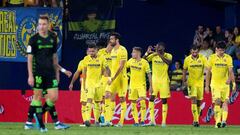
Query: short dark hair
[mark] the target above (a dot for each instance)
(137, 49)
(161, 44)
(92, 45)
(221, 45)
(116, 35)
(195, 47)
(44, 17)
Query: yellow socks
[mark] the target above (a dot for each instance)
(83, 110)
(224, 115)
(123, 111)
(135, 112)
(195, 113)
(88, 111)
(96, 111)
(152, 115)
(164, 113)
(108, 110)
(217, 113)
(143, 110)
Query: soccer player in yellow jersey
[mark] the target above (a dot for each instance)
(220, 71)
(119, 81)
(94, 66)
(139, 67)
(195, 64)
(83, 96)
(105, 53)
(160, 79)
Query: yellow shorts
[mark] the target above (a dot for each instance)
(164, 90)
(103, 85)
(220, 93)
(119, 86)
(135, 93)
(196, 92)
(83, 95)
(94, 93)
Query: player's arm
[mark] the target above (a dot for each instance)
(208, 77)
(84, 74)
(55, 65)
(108, 71)
(232, 78)
(166, 60)
(150, 81)
(30, 71)
(75, 77)
(184, 73)
(149, 51)
(66, 72)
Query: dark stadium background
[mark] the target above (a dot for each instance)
(142, 23)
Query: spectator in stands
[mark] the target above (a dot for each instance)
(231, 47)
(14, 3)
(199, 35)
(176, 79)
(208, 34)
(205, 50)
(218, 35)
(235, 32)
(237, 36)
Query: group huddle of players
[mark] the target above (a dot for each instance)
(104, 75)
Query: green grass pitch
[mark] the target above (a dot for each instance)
(17, 129)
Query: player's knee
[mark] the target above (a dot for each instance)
(218, 101)
(89, 100)
(152, 98)
(84, 103)
(194, 100)
(199, 102)
(122, 99)
(164, 101)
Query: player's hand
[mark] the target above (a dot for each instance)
(70, 86)
(207, 89)
(185, 83)
(228, 81)
(68, 73)
(149, 50)
(31, 81)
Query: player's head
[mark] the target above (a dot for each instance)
(160, 47)
(114, 38)
(43, 23)
(220, 48)
(194, 50)
(92, 50)
(136, 52)
(178, 64)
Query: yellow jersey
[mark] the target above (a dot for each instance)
(80, 66)
(219, 69)
(106, 55)
(138, 70)
(94, 67)
(117, 55)
(159, 67)
(195, 69)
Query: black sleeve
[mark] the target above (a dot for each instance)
(31, 49)
(55, 43)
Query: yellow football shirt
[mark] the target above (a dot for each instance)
(219, 69)
(94, 67)
(195, 69)
(117, 55)
(138, 70)
(107, 56)
(159, 67)
(80, 66)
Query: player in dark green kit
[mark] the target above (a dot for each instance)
(43, 74)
